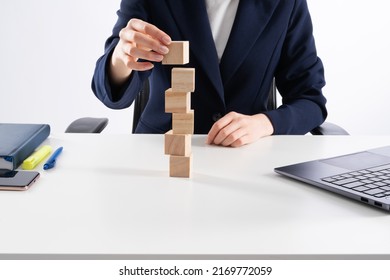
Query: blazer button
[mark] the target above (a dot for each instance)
(216, 116)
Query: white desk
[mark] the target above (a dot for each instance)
(110, 196)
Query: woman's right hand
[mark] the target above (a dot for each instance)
(138, 40)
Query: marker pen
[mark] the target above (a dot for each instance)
(32, 161)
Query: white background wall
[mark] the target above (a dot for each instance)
(48, 50)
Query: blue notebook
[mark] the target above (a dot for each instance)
(18, 141)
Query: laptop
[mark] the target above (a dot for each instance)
(363, 176)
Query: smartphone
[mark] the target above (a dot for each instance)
(17, 180)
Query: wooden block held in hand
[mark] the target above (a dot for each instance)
(179, 53)
(177, 144)
(183, 79)
(177, 102)
(183, 123)
(180, 166)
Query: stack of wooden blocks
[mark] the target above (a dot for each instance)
(178, 102)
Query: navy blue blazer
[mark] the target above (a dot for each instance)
(269, 38)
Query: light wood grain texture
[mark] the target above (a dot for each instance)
(177, 144)
(180, 166)
(179, 53)
(183, 79)
(177, 102)
(183, 123)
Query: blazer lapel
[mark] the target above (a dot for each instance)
(192, 21)
(251, 18)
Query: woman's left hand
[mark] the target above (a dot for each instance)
(235, 130)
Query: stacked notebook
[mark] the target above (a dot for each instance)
(18, 141)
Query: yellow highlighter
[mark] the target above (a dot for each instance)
(33, 160)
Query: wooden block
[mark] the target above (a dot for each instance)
(179, 53)
(177, 102)
(180, 166)
(183, 123)
(177, 144)
(183, 79)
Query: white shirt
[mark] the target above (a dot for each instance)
(221, 16)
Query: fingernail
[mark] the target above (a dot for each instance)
(158, 57)
(164, 49)
(139, 25)
(166, 40)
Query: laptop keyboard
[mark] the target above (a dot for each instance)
(372, 181)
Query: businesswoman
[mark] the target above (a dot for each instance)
(237, 48)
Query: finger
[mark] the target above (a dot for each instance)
(143, 41)
(234, 137)
(241, 141)
(150, 29)
(216, 128)
(227, 135)
(140, 66)
(136, 53)
(133, 63)
(238, 138)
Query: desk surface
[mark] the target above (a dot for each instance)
(110, 195)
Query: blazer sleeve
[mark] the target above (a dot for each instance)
(299, 78)
(118, 98)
